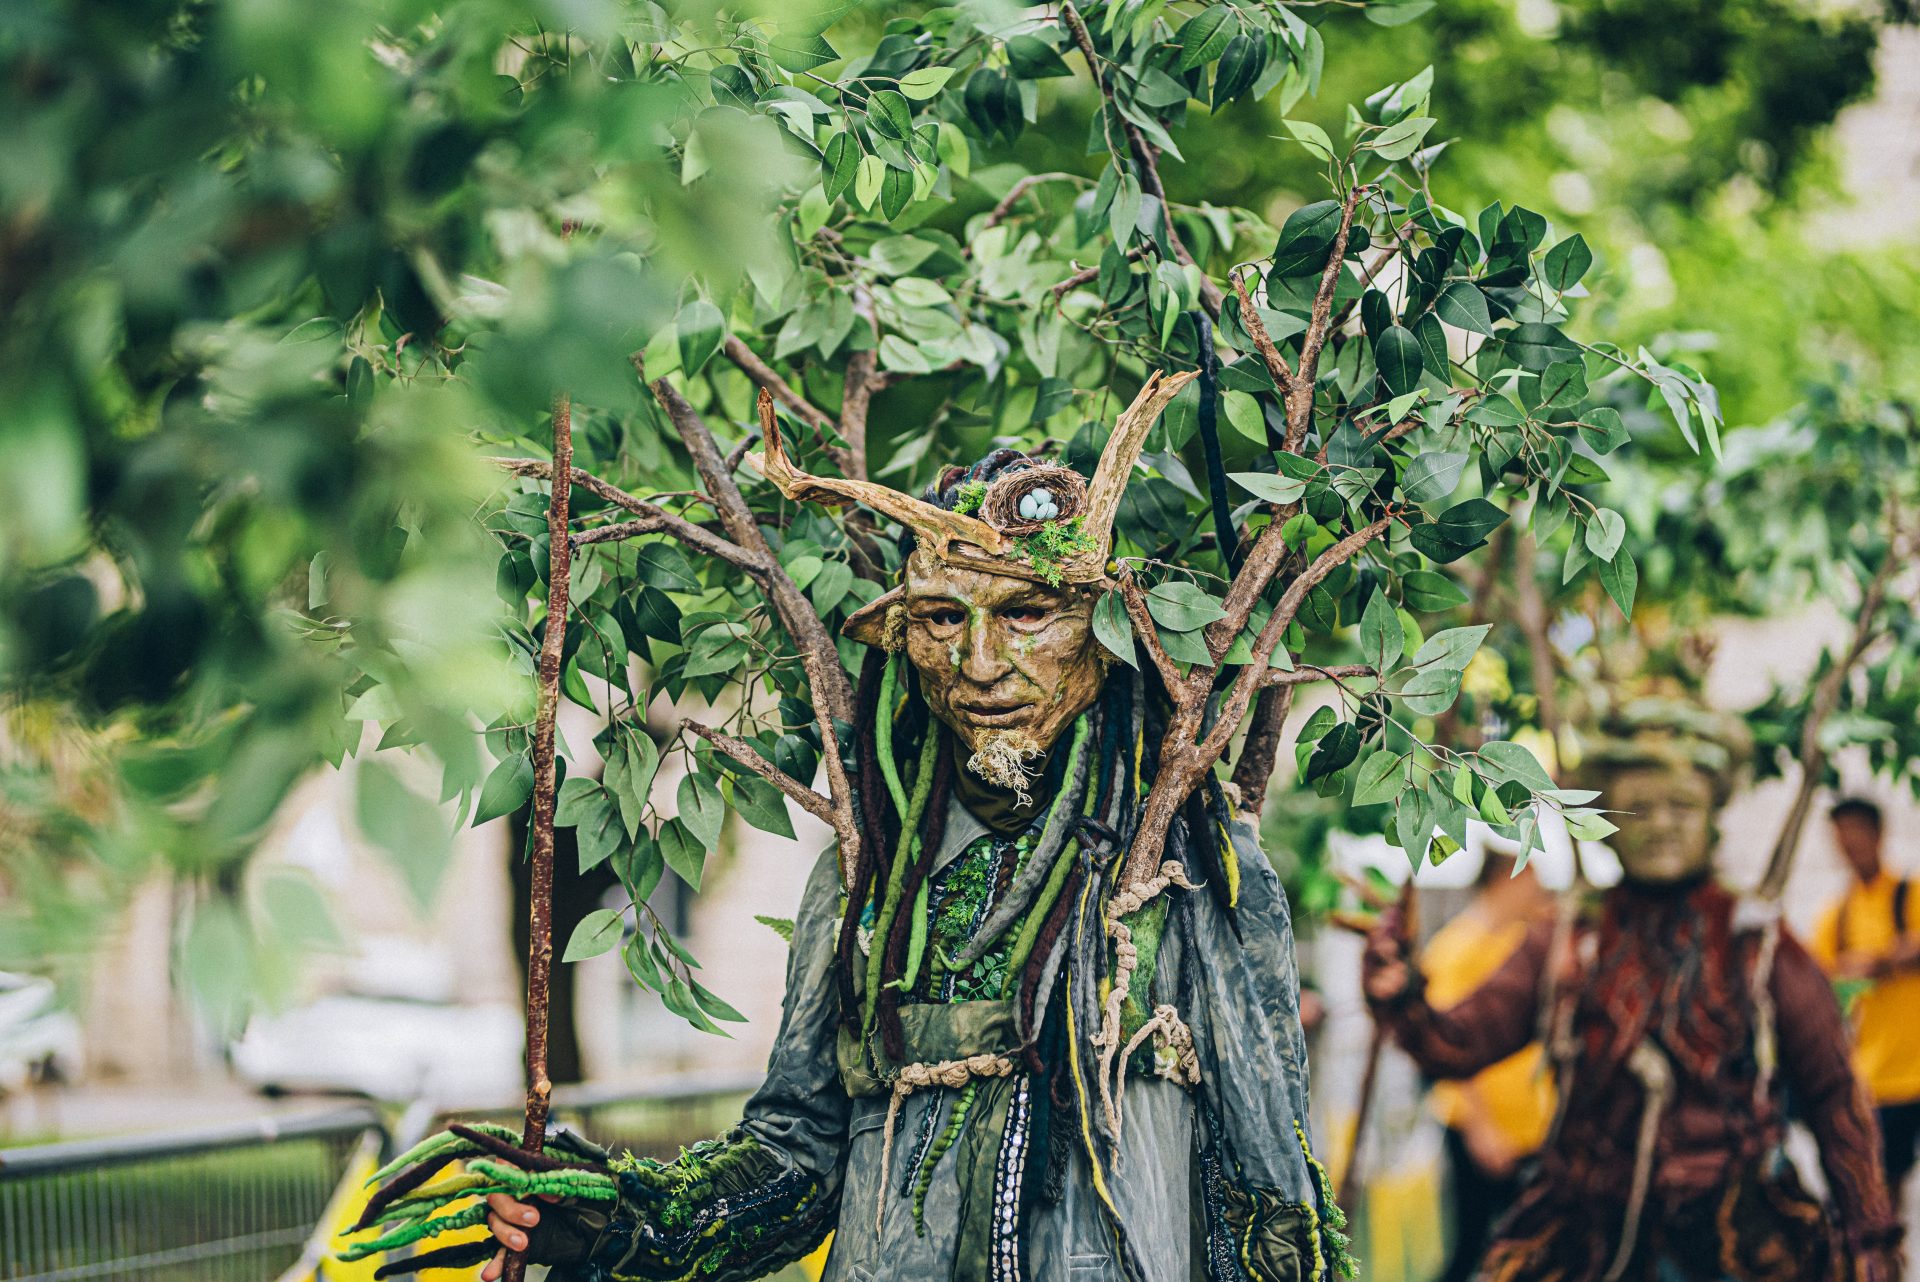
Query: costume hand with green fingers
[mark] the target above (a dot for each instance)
(410, 1206)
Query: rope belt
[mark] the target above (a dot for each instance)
(954, 1073)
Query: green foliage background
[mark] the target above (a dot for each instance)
(278, 276)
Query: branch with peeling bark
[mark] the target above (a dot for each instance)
(747, 755)
(831, 692)
(650, 518)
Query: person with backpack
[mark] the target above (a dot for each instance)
(1869, 942)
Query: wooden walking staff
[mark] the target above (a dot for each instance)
(1350, 1177)
(540, 935)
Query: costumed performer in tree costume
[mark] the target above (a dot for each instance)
(978, 1076)
(1674, 1015)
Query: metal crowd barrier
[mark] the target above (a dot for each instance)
(261, 1200)
(235, 1203)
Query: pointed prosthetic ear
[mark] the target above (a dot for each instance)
(880, 623)
(935, 527)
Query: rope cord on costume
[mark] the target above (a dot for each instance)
(1126, 955)
(1656, 1078)
(1171, 1034)
(912, 1077)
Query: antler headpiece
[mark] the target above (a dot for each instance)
(995, 535)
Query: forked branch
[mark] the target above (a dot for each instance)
(747, 755)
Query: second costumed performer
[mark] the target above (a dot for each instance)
(1677, 1018)
(994, 1063)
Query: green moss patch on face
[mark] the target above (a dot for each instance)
(972, 495)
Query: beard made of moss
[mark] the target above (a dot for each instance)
(1008, 760)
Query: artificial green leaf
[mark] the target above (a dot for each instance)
(867, 178)
(701, 809)
(1433, 477)
(1430, 592)
(1267, 486)
(1306, 238)
(890, 114)
(1515, 762)
(580, 799)
(684, 853)
(1566, 263)
(1244, 414)
(1034, 59)
(1451, 649)
(1379, 779)
(598, 932)
(840, 163)
(1203, 36)
(1463, 306)
(1621, 578)
(1400, 140)
(1113, 628)
(701, 328)
(925, 82)
(1605, 532)
(1335, 751)
(1397, 355)
(507, 788)
(1564, 385)
(762, 805)
(1182, 606)
(1602, 429)
(1382, 639)
(1431, 691)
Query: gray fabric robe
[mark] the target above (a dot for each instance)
(1236, 985)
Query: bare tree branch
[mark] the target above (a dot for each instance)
(545, 794)
(765, 376)
(743, 752)
(1308, 673)
(1867, 628)
(1260, 750)
(1320, 323)
(832, 693)
(1136, 603)
(651, 518)
(1262, 342)
(1240, 695)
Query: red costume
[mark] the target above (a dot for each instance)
(1664, 1016)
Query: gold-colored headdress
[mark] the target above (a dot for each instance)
(994, 536)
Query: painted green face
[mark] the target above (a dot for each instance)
(1666, 823)
(1006, 663)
